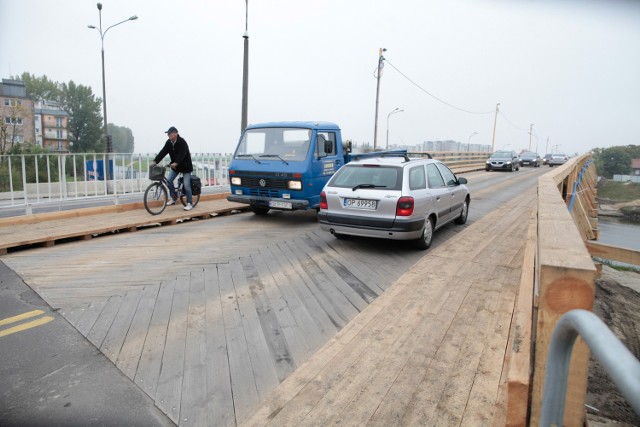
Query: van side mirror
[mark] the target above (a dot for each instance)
(462, 180)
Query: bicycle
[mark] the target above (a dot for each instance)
(156, 195)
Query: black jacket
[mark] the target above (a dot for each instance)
(178, 152)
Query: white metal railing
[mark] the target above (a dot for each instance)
(29, 179)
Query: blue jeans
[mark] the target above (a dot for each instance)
(187, 184)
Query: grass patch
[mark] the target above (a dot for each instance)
(619, 191)
(616, 266)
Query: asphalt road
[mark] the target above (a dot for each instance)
(52, 376)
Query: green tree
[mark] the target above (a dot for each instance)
(123, 141)
(85, 122)
(40, 88)
(613, 161)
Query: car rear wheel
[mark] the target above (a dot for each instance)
(424, 242)
(464, 214)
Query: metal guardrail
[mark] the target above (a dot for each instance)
(30, 179)
(618, 361)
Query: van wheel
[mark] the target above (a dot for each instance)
(259, 211)
(464, 214)
(424, 242)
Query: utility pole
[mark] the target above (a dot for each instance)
(530, 130)
(378, 75)
(546, 148)
(245, 70)
(495, 119)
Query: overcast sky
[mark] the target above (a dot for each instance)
(572, 68)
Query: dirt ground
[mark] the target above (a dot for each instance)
(618, 305)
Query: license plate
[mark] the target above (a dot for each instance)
(360, 204)
(280, 205)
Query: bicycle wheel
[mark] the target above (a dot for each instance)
(155, 198)
(194, 199)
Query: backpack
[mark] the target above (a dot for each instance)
(196, 185)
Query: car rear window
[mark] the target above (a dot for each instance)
(384, 177)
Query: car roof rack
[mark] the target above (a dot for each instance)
(398, 153)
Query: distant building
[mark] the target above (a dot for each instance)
(42, 123)
(51, 126)
(635, 167)
(16, 113)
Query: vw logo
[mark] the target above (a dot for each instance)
(262, 183)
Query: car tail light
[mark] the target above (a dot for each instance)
(323, 201)
(404, 207)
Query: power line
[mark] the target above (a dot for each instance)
(435, 97)
(514, 126)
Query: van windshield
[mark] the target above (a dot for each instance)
(287, 144)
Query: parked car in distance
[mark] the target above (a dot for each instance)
(393, 197)
(503, 160)
(529, 158)
(557, 159)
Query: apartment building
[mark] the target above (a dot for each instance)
(16, 114)
(42, 123)
(51, 126)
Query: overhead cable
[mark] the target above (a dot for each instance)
(435, 97)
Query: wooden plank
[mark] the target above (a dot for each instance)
(287, 282)
(297, 348)
(90, 315)
(333, 284)
(220, 410)
(265, 361)
(519, 349)
(133, 344)
(567, 281)
(265, 323)
(389, 388)
(169, 388)
(101, 326)
(114, 339)
(320, 317)
(335, 317)
(355, 267)
(361, 288)
(615, 253)
(245, 393)
(337, 305)
(193, 408)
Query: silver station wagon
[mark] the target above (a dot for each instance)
(393, 197)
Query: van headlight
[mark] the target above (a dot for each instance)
(235, 180)
(295, 185)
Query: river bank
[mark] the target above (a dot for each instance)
(630, 210)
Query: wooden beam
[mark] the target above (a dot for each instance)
(614, 253)
(519, 354)
(567, 282)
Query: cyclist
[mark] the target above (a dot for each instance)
(178, 150)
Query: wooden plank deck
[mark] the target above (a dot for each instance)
(305, 331)
(429, 351)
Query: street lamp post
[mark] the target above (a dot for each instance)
(469, 140)
(245, 70)
(397, 110)
(107, 139)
